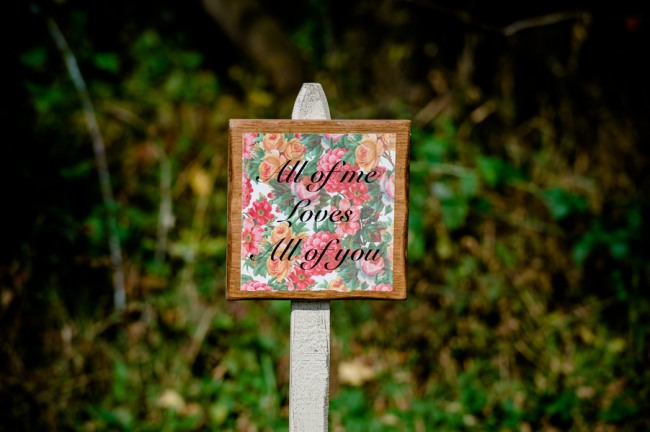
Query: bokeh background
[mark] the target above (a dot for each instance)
(528, 304)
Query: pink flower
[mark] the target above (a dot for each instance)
(256, 286)
(251, 238)
(249, 143)
(300, 279)
(352, 216)
(387, 184)
(369, 269)
(357, 193)
(325, 165)
(333, 137)
(330, 158)
(382, 287)
(312, 261)
(300, 191)
(261, 212)
(246, 191)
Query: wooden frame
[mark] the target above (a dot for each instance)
(237, 129)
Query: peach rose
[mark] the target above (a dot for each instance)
(274, 142)
(301, 236)
(368, 152)
(281, 232)
(389, 140)
(278, 268)
(270, 165)
(337, 284)
(295, 150)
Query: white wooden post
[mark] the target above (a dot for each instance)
(310, 320)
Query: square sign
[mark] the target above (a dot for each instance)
(317, 209)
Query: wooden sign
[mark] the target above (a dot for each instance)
(317, 209)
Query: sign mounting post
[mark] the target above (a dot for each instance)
(317, 211)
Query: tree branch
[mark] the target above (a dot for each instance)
(540, 21)
(119, 292)
(262, 38)
(510, 29)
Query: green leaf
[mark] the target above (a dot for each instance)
(618, 245)
(348, 273)
(387, 277)
(120, 417)
(108, 62)
(454, 213)
(78, 170)
(253, 165)
(583, 248)
(349, 141)
(191, 60)
(469, 185)
(349, 158)
(312, 143)
(46, 98)
(432, 149)
(277, 285)
(562, 203)
(327, 225)
(299, 227)
(34, 58)
(120, 380)
(259, 266)
(367, 212)
(489, 169)
(495, 171)
(416, 245)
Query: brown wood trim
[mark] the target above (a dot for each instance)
(237, 128)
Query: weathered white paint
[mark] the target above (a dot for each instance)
(311, 103)
(310, 366)
(310, 321)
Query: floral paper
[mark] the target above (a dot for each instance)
(317, 211)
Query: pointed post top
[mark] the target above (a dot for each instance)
(311, 103)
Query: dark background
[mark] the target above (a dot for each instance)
(528, 260)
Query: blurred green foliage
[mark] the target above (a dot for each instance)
(528, 271)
